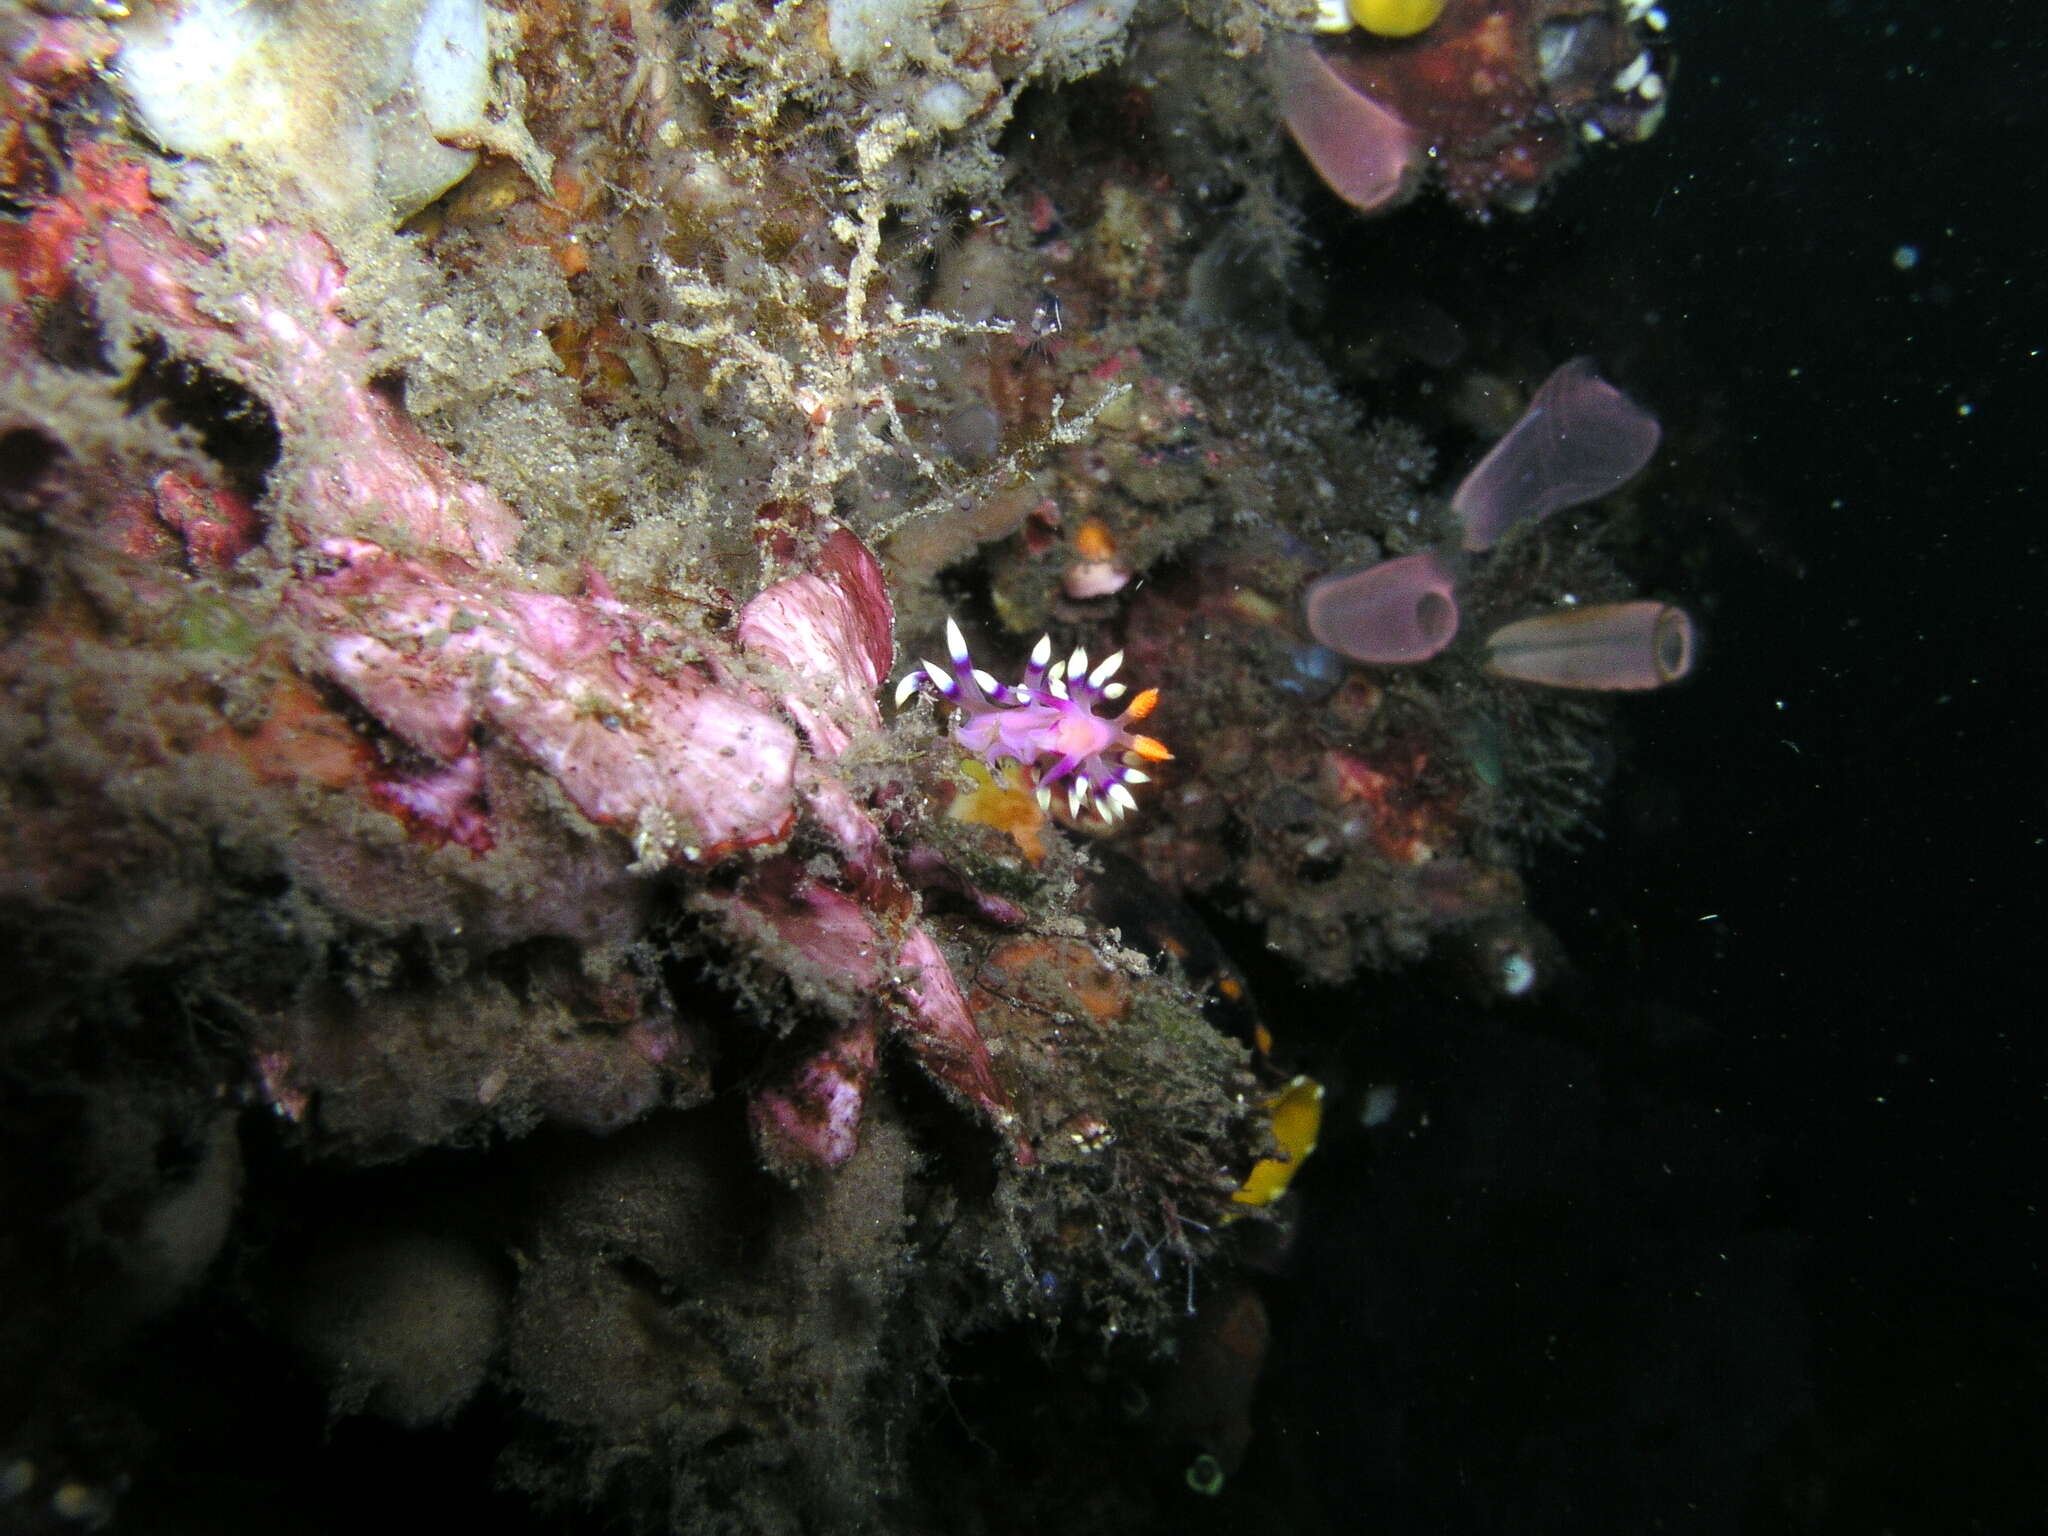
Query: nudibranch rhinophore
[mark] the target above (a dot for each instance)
(1046, 721)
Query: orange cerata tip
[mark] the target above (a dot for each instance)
(1151, 749)
(1142, 705)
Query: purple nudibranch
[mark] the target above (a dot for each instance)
(1047, 722)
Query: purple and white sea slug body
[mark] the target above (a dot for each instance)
(1047, 723)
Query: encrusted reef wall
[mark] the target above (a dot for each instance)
(484, 940)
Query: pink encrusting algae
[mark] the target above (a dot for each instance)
(1047, 722)
(403, 599)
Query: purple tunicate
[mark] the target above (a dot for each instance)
(1607, 646)
(1363, 152)
(1391, 614)
(1580, 438)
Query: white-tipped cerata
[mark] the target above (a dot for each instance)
(1055, 733)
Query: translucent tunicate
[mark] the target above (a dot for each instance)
(1363, 152)
(1395, 613)
(1608, 646)
(1580, 438)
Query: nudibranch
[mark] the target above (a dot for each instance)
(1046, 722)
(1297, 1112)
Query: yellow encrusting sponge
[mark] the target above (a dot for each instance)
(1395, 18)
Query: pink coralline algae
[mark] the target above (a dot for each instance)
(401, 594)
(1579, 439)
(864, 958)
(1603, 646)
(831, 630)
(1047, 722)
(815, 1116)
(598, 696)
(1396, 613)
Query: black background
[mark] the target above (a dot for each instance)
(1739, 1226)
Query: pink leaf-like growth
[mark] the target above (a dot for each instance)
(1608, 646)
(845, 945)
(441, 804)
(1363, 152)
(1392, 614)
(832, 629)
(948, 1044)
(593, 693)
(366, 470)
(1580, 438)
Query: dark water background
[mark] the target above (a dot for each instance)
(1741, 1227)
